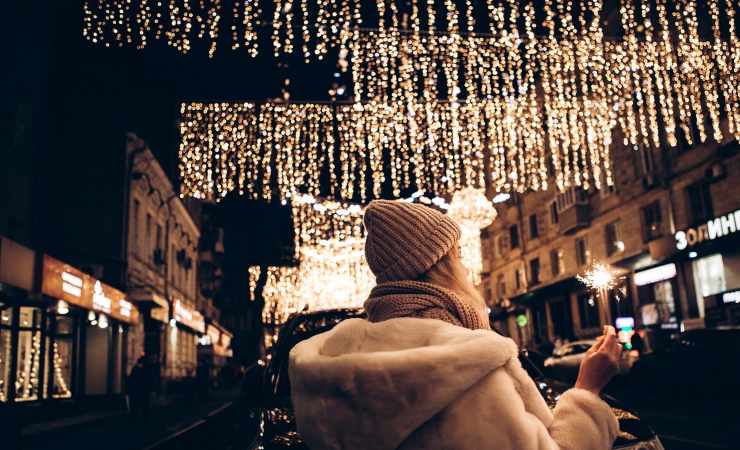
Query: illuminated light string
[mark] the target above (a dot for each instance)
(270, 150)
(330, 242)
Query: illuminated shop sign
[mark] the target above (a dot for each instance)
(713, 229)
(100, 301)
(189, 317)
(73, 287)
(72, 284)
(655, 274)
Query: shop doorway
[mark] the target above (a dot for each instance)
(96, 360)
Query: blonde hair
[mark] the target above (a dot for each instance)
(451, 274)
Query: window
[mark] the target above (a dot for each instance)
(518, 279)
(533, 231)
(6, 319)
(554, 213)
(709, 278)
(556, 262)
(148, 253)
(613, 242)
(581, 252)
(514, 236)
(651, 221)
(700, 202)
(28, 362)
(135, 228)
(60, 344)
(534, 271)
(502, 245)
(501, 286)
(159, 249)
(589, 311)
(644, 162)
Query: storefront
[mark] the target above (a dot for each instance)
(215, 346)
(20, 328)
(65, 342)
(87, 323)
(657, 290)
(710, 256)
(186, 327)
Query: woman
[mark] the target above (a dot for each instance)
(425, 371)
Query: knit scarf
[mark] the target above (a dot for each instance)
(423, 300)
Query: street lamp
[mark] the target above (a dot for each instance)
(600, 278)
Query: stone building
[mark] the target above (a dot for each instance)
(162, 260)
(650, 228)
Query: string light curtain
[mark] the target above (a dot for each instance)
(332, 272)
(274, 149)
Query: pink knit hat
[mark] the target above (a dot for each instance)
(404, 240)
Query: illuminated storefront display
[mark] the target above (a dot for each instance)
(67, 342)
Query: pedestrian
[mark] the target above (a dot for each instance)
(139, 388)
(425, 370)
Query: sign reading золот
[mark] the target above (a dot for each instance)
(713, 229)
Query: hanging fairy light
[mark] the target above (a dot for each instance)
(472, 211)
(471, 208)
(332, 272)
(61, 389)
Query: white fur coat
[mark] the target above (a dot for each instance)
(424, 384)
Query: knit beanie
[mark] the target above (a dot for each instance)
(404, 240)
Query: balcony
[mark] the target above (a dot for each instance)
(574, 218)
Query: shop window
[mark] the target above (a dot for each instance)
(651, 221)
(534, 232)
(554, 213)
(614, 244)
(514, 236)
(28, 362)
(700, 202)
(6, 319)
(534, 271)
(581, 252)
(709, 278)
(589, 311)
(60, 357)
(556, 262)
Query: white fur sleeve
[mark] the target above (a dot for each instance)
(583, 421)
(494, 415)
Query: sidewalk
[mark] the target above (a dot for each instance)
(117, 431)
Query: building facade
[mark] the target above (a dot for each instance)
(162, 243)
(667, 230)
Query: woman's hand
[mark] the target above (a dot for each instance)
(601, 362)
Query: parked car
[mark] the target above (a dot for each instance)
(277, 429)
(565, 361)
